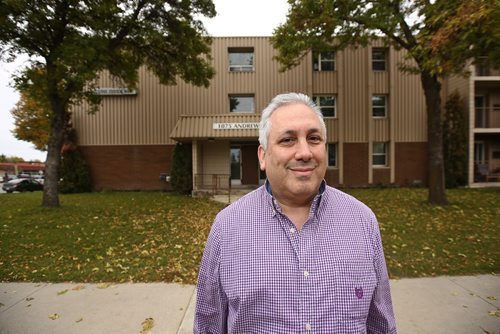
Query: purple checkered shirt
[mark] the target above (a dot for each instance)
(259, 274)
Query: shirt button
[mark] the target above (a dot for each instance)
(292, 230)
(306, 273)
(308, 327)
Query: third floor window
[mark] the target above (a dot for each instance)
(241, 59)
(379, 59)
(324, 61)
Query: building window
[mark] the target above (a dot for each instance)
(379, 106)
(379, 156)
(324, 61)
(327, 104)
(241, 59)
(332, 155)
(379, 59)
(241, 103)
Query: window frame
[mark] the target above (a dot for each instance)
(230, 96)
(237, 68)
(319, 59)
(335, 150)
(384, 154)
(375, 107)
(317, 99)
(379, 62)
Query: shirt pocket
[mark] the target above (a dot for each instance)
(355, 282)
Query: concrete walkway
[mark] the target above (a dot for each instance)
(466, 305)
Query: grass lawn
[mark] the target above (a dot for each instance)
(156, 236)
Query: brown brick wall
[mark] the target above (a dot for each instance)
(355, 164)
(381, 176)
(332, 177)
(411, 163)
(135, 167)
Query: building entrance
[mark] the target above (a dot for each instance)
(235, 159)
(244, 164)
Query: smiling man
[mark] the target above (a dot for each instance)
(294, 256)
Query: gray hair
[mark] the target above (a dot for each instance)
(280, 101)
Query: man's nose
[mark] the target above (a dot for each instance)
(303, 151)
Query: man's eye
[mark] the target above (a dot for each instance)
(286, 141)
(315, 139)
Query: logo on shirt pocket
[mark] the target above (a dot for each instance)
(359, 292)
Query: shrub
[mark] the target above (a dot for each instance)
(455, 141)
(74, 172)
(181, 175)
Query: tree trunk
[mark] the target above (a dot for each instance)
(56, 137)
(432, 91)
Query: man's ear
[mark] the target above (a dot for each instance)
(261, 154)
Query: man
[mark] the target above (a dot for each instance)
(295, 255)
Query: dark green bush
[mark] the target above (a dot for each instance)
(455, 141)
(74, 173)
(181, 174)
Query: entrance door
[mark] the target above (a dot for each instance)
(235, 158)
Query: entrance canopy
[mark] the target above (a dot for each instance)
(208, 127)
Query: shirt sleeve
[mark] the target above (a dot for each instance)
(381, 315)
(211, 302)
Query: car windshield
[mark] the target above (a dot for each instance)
(16, 181)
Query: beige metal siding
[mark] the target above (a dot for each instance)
(381, 130)
(216, 157)
(408, 105)
(324, 82)
(356, 96)
(149, 117)
(332, 130)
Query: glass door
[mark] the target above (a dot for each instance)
(235, 158)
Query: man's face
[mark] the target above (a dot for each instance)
(295, 159)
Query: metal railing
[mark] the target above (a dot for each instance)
(213, 183)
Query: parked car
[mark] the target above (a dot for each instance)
(22, 185)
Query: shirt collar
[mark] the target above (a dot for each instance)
(314, 205)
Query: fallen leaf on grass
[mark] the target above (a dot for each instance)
(492, 298)
(29, 299)
(79, 320)
(54, 316)
(78, 288)
(147, 325)
(495, 313)
(62, 292)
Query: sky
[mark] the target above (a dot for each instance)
(234, 18)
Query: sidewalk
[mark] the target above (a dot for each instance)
(468, 305)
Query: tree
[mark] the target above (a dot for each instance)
(439, 36)
(31, 121)
(180, 176)
(455, 141)
(70, 43)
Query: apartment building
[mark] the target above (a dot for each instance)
(375, 117)
(481, 92)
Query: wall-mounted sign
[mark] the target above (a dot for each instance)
(115, 91)
(235, 126)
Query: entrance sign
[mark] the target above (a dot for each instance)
(235, 126)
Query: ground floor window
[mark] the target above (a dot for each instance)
(332, 155)
(380, 154)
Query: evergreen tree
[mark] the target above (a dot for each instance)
(75, 174)
(455, 141)
(181, 177)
